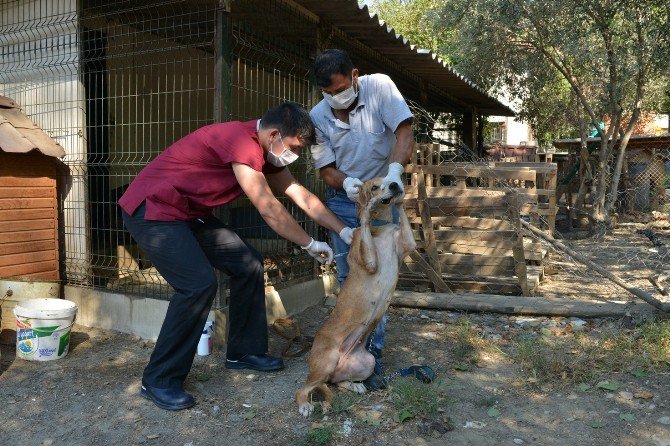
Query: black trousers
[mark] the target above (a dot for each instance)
(186, 253)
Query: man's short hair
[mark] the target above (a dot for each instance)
(330, 62)
(291, 119)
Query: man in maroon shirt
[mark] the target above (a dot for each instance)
(168, 211)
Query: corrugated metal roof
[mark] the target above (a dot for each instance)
(635, 142)
(367, 28)
(19, 134)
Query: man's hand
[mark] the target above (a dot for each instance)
(320, 251)
(352, 186)
(347, 235)
(393, 176)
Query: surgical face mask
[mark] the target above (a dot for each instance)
(343, 99)
(284, 159)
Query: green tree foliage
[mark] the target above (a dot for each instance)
(417, 20)
(570, 63)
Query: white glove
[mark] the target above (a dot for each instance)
(352, 187)
(347, 235)
(320, 251)
(393, 176)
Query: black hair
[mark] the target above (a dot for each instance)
(330, 62)
(291, 119)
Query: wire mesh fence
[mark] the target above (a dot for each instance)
(39, 69)
(116, 82)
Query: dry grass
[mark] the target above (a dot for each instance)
(585, 357)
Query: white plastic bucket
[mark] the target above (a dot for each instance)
(43, 328)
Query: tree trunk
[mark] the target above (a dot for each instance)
(586, 176)
(621, 156)
(598, 213)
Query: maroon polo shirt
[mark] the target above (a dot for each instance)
(195, 174)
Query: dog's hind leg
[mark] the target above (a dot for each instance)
(305, 407)
(321, 371)
(327, 397)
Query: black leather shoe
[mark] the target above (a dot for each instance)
(168, 399)
(374, 382)
(262, 363)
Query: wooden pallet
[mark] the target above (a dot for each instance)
(469, 238)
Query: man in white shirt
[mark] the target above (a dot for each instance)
(363, 130)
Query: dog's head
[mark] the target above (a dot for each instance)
(378, 199)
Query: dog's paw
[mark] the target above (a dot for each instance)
(354, 387)
(306, 409)
(358, 388)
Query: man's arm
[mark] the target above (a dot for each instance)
(404, 143)
(255, 186)
(332, 176)
(283, 182)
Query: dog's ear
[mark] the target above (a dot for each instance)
(363, 195)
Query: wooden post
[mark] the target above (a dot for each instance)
(460, 182)
(551, 185)
(470, 130)
(427, 225)
(517, 249)
(223, 66)
(433, 276)
(414, 161)
(493, 303)
(428, 161)
(223, 92)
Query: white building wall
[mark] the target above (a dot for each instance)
(518, 133)
(661, 124)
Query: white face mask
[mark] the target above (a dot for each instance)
(284, 159)
(343, 99)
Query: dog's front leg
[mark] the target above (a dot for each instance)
(406, 242)
(366, 253)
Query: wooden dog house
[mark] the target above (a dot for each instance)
(29, 244)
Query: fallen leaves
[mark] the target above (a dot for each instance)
(493, 412)
(248, 415)
(608, 385)
(627, 416)
(643, 395)
(583, 387)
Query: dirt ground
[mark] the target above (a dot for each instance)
(91, 396)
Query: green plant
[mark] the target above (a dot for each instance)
(464, 348)
(320, 436)
(412, 398)
(654, 342)
(343, 402)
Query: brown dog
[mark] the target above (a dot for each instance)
(338, 355)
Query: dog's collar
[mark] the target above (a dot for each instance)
(377, 223)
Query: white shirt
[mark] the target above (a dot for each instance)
(362, 148)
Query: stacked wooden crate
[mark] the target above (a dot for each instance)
(466, 218)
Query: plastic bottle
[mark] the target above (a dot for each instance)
(205, 344)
